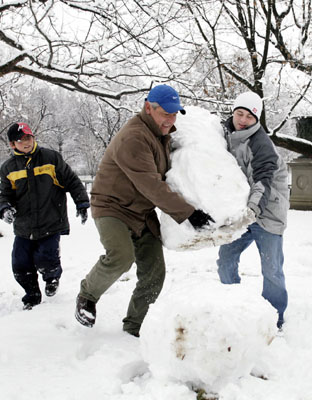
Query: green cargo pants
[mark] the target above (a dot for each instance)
(123, 248)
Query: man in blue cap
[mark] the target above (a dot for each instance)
(129, 184)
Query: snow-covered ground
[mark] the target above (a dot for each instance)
(45, 354)
(199, 334)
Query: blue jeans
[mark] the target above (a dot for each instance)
(270, 247)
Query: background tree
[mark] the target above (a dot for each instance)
(252, 48)
(78, 126)
(96, 124)
(93, 48)
(209, 49)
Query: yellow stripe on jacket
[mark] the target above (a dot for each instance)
(47, 169)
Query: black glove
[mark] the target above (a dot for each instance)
(83, 213)
(198, 219)
(8, 215)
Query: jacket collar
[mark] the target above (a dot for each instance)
(243, 134)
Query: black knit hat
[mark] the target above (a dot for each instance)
(17, 131)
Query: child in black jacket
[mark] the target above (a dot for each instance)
(33, 187)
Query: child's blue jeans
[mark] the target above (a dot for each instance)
(270, 247)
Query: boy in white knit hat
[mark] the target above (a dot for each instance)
(268, 198)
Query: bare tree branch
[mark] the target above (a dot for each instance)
(294, 105)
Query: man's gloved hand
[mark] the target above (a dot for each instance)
(83, 213)
(8, 215)
(199, 219)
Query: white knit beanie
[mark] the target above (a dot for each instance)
(249, 101)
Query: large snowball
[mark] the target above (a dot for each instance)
(208, 341)
(209, 178)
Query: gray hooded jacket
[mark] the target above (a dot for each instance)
(266, 173)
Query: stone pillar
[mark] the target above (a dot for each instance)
(301, 183)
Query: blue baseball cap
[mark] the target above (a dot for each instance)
(167, 98)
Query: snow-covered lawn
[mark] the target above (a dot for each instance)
(45, 354)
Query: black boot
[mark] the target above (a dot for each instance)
(85, 311)
(31, 299)
(52, 285)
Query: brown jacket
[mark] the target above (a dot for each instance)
(130, 181)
